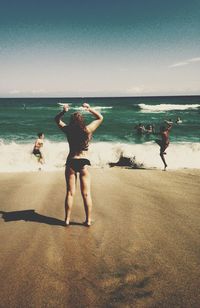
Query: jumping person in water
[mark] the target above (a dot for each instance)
(78, 135)
(38, 145)
(164, 142)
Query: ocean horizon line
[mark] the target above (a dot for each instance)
(85, 97)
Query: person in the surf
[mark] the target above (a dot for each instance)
(164, 142)
(149, 129)
(140, 129)
(178, 120)
(37, 148)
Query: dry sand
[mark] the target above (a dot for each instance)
(142, 251)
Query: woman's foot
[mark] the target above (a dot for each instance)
(88, 223)
(66, 223)
(165, 168)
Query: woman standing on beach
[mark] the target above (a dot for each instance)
(78, 135)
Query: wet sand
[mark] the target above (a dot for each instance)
(142, 251)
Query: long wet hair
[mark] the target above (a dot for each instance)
(78, 137)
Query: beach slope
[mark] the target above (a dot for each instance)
(142, 251)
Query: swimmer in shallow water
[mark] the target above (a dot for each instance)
(164, 142)
(140, 129)
(78, 135)
(178, 120)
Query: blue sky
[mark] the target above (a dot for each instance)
(99, 48)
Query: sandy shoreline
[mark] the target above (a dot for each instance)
(143, 250)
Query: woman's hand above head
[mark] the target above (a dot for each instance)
(86, 106)
(65, 107)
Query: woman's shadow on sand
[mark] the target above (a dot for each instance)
(31, 215)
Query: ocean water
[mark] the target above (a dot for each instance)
(22, 118)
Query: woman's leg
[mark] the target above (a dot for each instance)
(162, 153)
(70, 177)
(85, 183)
(159, 142)
(163, 159)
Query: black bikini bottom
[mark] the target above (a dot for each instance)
(77, 164)
(37, 152)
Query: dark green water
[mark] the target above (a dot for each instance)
(22, 118)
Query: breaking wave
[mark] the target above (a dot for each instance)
(167, 107)
(17, 157)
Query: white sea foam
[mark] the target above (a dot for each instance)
(95, 107)
(166, 107)
(61, 105)
(17, 157)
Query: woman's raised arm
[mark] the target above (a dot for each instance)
(94, 124)
(59, 116)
